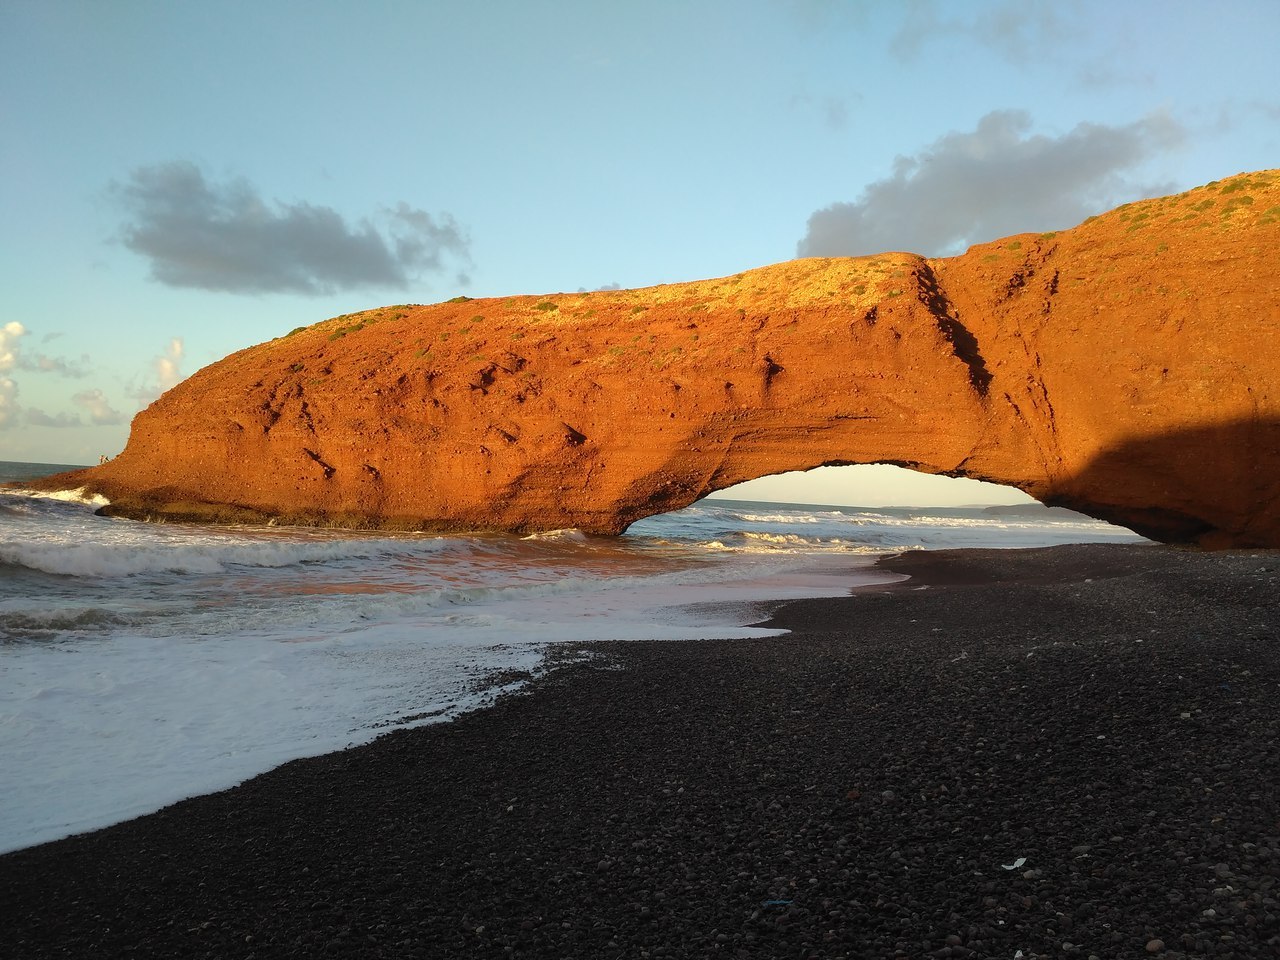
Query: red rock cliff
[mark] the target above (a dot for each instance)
(1127, 367)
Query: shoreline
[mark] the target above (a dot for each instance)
(853, 788)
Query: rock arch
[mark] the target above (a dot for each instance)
(1126, 368)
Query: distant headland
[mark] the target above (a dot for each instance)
(1126, 368)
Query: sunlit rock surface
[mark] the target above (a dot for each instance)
(1127, 368)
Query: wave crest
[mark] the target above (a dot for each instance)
(127, 557)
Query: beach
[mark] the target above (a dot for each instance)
(145, 663)
(1071, 751)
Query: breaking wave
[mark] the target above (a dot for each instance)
(133, 556)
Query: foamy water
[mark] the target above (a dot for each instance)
(144, 663)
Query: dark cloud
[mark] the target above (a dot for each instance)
(1017, 30)
(832, 110)
(994, 181)
(43, 363)
(94, 402)
(225, 237)
(828, 16)
(37, 417)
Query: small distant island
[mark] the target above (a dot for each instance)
(1124, 368)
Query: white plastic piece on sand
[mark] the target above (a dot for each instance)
(1015, 865)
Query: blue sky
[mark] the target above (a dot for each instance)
(186, 180)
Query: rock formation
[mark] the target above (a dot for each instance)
(1128, 368)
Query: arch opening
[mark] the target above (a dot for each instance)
(873, 485)
(874, 508)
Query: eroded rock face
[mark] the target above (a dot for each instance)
(1127, 368)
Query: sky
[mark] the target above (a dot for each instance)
(185, 180)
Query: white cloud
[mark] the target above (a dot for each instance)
(10, 334)
(101, 413)
(11, 356)
(11, 413)
(167, 365)
(166, 372)
(999, 179)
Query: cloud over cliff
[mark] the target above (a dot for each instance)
(996, 180)
(226, 237)
(99, 408)
(10, 334)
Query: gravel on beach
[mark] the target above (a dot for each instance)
(1067, 752)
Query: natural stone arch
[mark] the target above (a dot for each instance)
(1125, 368)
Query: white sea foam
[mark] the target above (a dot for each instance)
(161, 553)
(93, 733)
(109, 731)
(771, 544)
(561, 536)
(77, 496)
(141, 663)
(790, 518)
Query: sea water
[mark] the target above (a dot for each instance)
(141, 663)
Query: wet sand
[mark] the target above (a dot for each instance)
(1070, 752)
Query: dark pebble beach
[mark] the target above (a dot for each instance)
(1068, 752)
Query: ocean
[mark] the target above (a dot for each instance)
(143, 663)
